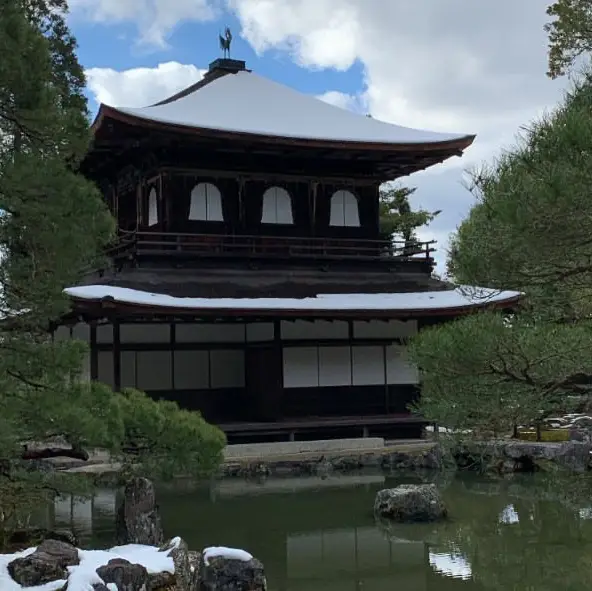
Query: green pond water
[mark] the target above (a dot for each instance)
(312, 534)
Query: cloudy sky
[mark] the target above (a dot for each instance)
(445, 65)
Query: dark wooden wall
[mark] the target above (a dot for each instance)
(242, 202)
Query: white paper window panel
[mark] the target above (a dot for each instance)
(399, 369)
(368, 366)
(209, 333)
(81, 332)
(128, 369)
(260, 331)
(335, 366)
(227, 369)
(319, 329)
(154, 370)
(152, 207)
(390, 329)
(301, 367)
(105, 371)
(105, 333)
(344, 209)
(206, 203)
(276, 207)
(145, 333)
(192, 370)
(61, 333)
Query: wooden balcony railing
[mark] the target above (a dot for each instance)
(176, 244)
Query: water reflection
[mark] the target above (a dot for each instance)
(320, 534)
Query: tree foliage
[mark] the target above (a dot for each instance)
(530, 230)
(397, 220)
(53, 225)
(570, 34)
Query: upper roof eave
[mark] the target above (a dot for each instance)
(453, 146)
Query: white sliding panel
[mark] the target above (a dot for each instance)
(128, 369)
(192, 370)
(368, 366)
(379, 329)
(400, 370)
(319, 329)
(145, 333)
(334, 366)
(209, 333)
(301, 367)
(154, 370)
(105, 368)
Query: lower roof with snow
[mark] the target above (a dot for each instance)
(243, 102)
(446, 302)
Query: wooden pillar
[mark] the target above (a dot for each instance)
(116, 349)
(94, 353)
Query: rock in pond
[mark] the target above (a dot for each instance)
(229, 569)
(47, 563)
(410, 502)
(138, 519)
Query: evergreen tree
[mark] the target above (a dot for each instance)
(570, 34)
(530, 231)
(53, 225)
(398, 221)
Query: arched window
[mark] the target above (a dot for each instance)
(277, 207)
(206, 203)
(152, 207)
(344, 209)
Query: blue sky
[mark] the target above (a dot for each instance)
(446, 65)
(104, 45)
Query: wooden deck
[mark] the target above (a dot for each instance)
(179, 244)
(400, 426)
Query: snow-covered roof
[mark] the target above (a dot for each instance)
(454, 299)
(245, 102)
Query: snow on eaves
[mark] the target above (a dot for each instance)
(459, 298)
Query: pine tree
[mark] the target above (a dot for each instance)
(53, 225)
(398, 221)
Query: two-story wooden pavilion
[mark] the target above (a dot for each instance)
(249, 281)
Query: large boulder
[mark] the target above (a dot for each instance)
(410, 502)
(47, 563)
(227, 569)
(124, 575)
(138, 519)
(183, 560)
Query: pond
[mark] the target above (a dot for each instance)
(520, 533)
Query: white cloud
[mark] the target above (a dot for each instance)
(140, 87)
(344, 101)
(154, 19)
